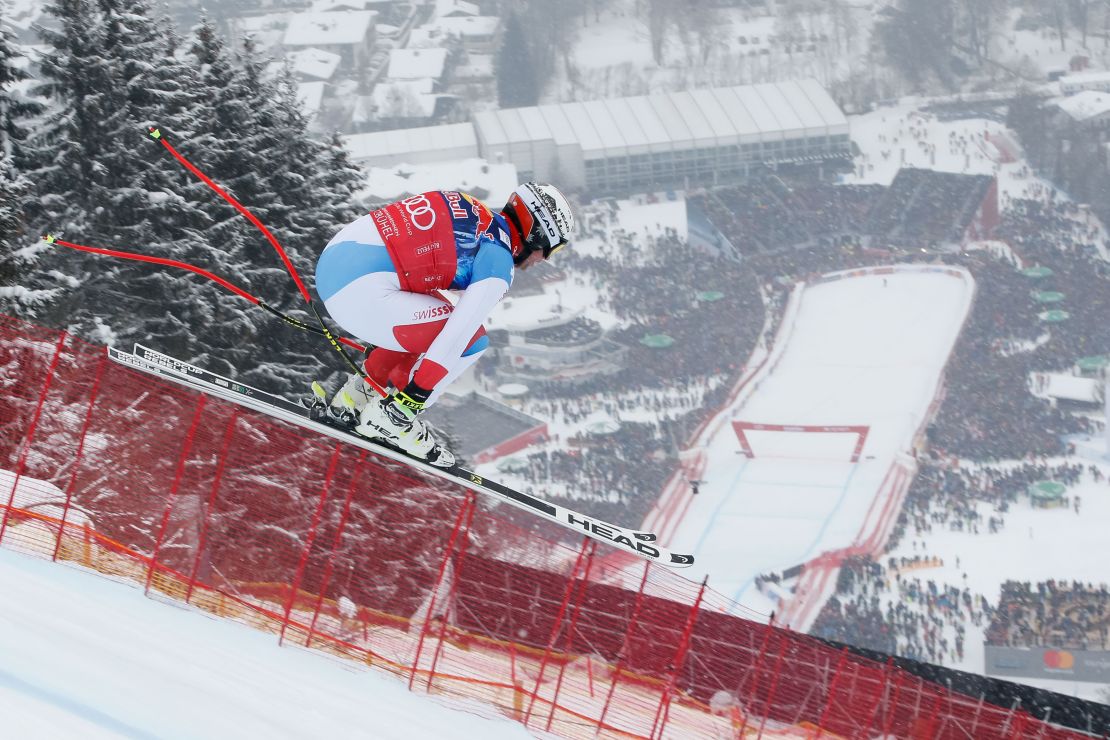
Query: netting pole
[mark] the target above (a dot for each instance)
(309, 541)
(459, 558)
(25, 445)
(774, 685)
(568, 644)
(662, 712)
(880, 700)
(626, 646)
(931, 731)
(80, 453)
(202, 539)
(754, 672)
(832, 693)
(329, 567)
(556, 627)
(185, 448)
(447, 550)
(894, 705)
(978, 711)
(512, 665)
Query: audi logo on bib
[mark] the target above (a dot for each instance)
(420, 211)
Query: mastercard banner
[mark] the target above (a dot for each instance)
(1054, 663)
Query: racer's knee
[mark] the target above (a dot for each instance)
(478, 343)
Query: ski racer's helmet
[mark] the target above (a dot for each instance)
(543, 217)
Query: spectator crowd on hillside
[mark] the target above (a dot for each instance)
(883, 607)
(652, 283)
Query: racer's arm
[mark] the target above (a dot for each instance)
(493, 272)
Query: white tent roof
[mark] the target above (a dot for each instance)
(666, 121)
(1073, 388)
(625, 119)
(610, 133)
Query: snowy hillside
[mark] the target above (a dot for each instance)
(83, 657)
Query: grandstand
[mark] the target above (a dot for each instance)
(926, 207)
(920, 208)
(767, 215)
(566, 347)
(1050, 629)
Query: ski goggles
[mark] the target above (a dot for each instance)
(548, 251)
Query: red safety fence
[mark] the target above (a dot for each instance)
(350, 553)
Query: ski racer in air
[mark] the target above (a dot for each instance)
(381, 278)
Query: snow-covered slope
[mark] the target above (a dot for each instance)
(84, 657)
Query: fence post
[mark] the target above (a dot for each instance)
(308, 544)
(894, 704)
(202, 540)
(455, 529)
(80, 453)
(881, 698)
(626, 645)
(832, 693)
(664, 708)
(454, 584)
(185, 448)
(25, 446)
(570, 630)
(329, 568)
(754, 671)
(930, 732)
(774, 686)
(555, 627)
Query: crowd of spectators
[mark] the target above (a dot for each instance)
(610, 472)
(880, 606)
(650, 282)
(946, 495)
(883, 607)
(579, 330)
(661, 394)
(1052, 614)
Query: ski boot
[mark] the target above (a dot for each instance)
(391, 423)
(344, 407)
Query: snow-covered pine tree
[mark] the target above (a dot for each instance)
(258, 148)
(110, 70)
(21, 292)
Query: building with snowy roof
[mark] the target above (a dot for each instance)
(448, 143)
(1080, 81)
(477, 33)
(313, 63)
(396, 102)
(414, 64)
(311, 95)
(350, 34)
(669, 140)
(1088, 108)
(455, 9)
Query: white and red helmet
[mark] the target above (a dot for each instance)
(542, 215)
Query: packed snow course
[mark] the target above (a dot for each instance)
(84, 657)
(861, 350)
